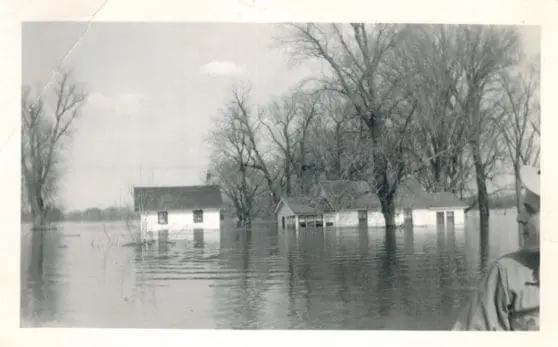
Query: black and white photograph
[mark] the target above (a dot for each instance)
(320, 175)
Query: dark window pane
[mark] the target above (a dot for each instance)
(163, 217)
(198, 216)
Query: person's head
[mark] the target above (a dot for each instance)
(529, 211)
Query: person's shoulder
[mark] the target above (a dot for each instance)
(517, 259)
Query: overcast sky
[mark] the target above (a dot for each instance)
(153, 90)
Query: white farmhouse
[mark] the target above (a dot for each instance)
(352, 204)
(178, 212)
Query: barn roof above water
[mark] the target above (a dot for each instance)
(177, 198)
(352, 195)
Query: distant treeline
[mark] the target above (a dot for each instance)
(95, 214)
(87, 215)
(98, 214)
(53, 215)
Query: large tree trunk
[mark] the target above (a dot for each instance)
(384, 190)
(482, 192)
(288, 177)
(38, 210)
(388, 210)
(39, 220)
(243, 220)
(42, 130)
(239, 217)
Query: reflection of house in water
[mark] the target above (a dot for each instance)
(178, 212)
(352, 204)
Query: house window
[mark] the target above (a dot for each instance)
(198, 216)
(163, 217)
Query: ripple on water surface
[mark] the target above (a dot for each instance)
(82, 275)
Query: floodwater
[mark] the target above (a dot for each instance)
(84, 276)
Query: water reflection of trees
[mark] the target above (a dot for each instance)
(311, 255)
(307, 275)
(292, 255)
(356, 278)
(387, 259)
(478, 244)
(328, 276)
(245, 253)
(444, 274)
(409, 240)
(39, 299)
(407, 270)
(406, 288)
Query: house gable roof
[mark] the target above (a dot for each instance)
(177, 198)
(410, 194)
(343, 194)
(352, 195)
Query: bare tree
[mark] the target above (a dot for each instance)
(47, 120)
(232, 165)
(441, 163)
(358, 57)
(336, 114)
(280, 124)
(519, 119)
(484, 52)
(306, 109)
(242, 185)
(247, 118)
(340, 144)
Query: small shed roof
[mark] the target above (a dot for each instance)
(301, 205)
(177, 198)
